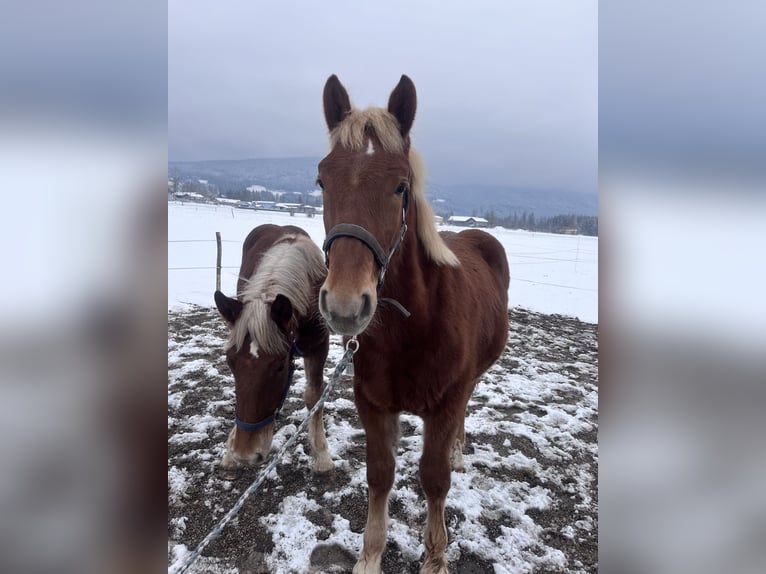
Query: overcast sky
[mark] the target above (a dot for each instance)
(507, 90)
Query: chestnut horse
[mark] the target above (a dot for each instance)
(453, 286)
(274, 319)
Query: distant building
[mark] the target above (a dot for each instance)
(190, 195)
(267, 205)
(439, 219)
(289, 206)
(465, 221)
(568, 230)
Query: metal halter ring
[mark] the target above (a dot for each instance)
(355, 345)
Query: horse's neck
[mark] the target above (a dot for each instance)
(406, 279)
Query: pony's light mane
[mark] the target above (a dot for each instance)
(291, 267)
(352, 133)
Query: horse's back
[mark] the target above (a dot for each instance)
(258, 242)
(266, 235)
(474, 243)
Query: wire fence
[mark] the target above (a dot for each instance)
(200, 241)
(197, 268)
(538, 260)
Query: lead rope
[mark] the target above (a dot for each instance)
(352, 346)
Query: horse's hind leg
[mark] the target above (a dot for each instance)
(317, 438)
(440, 433)
(382, 432)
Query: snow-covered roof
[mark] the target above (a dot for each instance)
(464, 218)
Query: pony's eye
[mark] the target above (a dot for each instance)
(401, 189)
(320, 184)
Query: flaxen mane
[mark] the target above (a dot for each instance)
(291, 268)
(351, 134)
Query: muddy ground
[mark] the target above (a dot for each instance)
(527, 502)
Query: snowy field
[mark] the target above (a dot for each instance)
(527, 501)
(550, 273)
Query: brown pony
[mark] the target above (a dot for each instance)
(274, 319)
(430, 310)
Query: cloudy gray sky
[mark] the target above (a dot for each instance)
(507, 90)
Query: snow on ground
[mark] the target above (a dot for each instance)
(550, 273)
(527, 501)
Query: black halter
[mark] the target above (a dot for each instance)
(382, 260)
(250, 427)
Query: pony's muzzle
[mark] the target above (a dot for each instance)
(346, 314)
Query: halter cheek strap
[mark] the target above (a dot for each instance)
(250, 427)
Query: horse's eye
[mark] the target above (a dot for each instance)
(401, 189)
(320, 184)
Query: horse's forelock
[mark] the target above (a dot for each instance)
(352, 132)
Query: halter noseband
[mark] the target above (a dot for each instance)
(250, 427)
(382, 260)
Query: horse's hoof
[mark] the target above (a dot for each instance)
(228, 473)
(364, 567)
(323, 465)
(440, 570)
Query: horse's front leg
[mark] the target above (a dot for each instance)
(317, 439)
(456, 457)
(382, 433)
(440, 433)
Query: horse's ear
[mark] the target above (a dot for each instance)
(229, 308)
(282, 312)
(402, 104)
(336, 102)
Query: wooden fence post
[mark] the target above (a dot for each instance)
(218, 261)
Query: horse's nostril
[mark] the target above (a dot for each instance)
(323, 299)
(366, 305)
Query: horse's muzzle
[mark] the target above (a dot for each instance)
(346, 315)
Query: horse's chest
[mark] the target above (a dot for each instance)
(396, 386)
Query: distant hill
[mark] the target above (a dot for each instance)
(299, 174)
(505, 201)
(283, 174)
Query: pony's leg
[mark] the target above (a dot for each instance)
(382, 432)
(317, 438)
(439, 437)
(456, 457)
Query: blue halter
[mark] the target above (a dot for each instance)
(250, 427)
